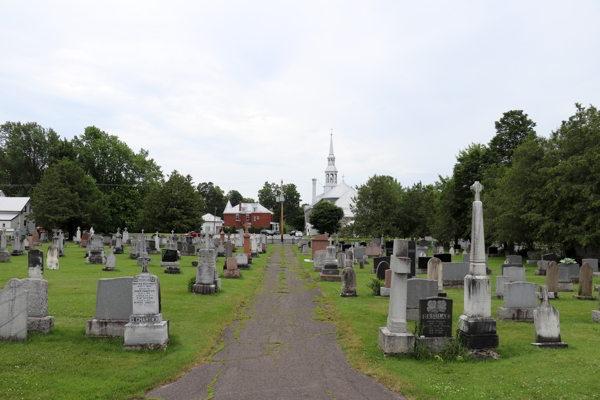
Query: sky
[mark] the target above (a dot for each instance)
(243, 92)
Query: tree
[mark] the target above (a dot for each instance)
(125, 177)
(26, 151)
(248, 200)
(326, 216)
(511, 130)
(376, 207)
(444, 226)
(66, 198)
(173, 205)
(235, 197)
(267, 195)
(214, 198)
(416, 205)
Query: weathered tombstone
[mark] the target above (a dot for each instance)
(84, 240)
(542, 267)
(13, 312)
(319, 260)
(435, 322)
(547, 324)
(564, 280)
(206, 272)
(111, 263)
(135, 249)
(395, 338)
(514, 273)
(17, 244)
(519, 302)
(550, 257)
(52, 261)
(114, 305)
(330, 269)
(514, 259)
(169, 262)
(477, 328)
(119, 247)
(593, 262)
(146, 328)
(96, 251)
(348, 288)
(455, 274)
(35, 263)
(61, 243)
(4, 254)
(435, 272)
(341, 260)
(386, 289)
(37, 305)
(232, 270)
(418, 289)
(553, 278)
(125, 236)
(585, 283)
(78, 235)
(242, 261)
(500, 281)
(381, 267)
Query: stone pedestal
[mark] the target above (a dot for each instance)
(105, 327)
(204, 289)
(330, 272)
(596, 316)
(395, 343)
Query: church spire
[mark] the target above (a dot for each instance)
(331, 170)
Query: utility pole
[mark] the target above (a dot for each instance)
(215, 221)
(280, 199)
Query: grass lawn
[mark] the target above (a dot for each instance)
(523, 372)
(67, 365)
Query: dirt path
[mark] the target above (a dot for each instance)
(280, 351)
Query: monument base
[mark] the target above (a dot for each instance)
(551, 345)
(134, 256)
(172, 270)
(231, 273)
(243, 266)
(204, 289)
(330, 278)
(385, 291)
(442, 294)
(146, 336)
(551, 295)
(109, 269)
(318, 269)
(395, 343)
(348, 294)
(17, 253)
(118, 250)
(458, 284)
(96, 260)
(434, 344)
(105, 327)
(514, 314)
(575, 296)
(478, 332)
(596, 316)
(40, 324)
(4, 256)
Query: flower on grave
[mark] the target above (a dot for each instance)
(438, 358)
(568, 261)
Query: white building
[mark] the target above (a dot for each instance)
(211, 224)
(340, 194)
(13, 211)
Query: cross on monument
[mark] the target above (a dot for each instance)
(477, 188)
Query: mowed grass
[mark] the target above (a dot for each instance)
(523, 371)
(68, 365)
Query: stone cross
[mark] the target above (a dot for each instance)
(477, 188)
(544, 296)
(143, 260)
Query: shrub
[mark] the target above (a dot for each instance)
(375, 285)
(191, 283)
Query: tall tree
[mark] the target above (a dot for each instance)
(235, 197)
(66, 198)
(267, 195)
(376, 207)
(26, 151)
(214, 198)
(416, 209)
(173, 205)
(326, 216)
(511, 130)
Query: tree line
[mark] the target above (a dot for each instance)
(97, 180)
(539, 191)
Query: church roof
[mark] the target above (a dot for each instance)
(341, 195)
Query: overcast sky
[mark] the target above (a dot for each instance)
(239, 93)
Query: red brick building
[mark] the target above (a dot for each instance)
(252, 213)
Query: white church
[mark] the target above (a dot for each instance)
(340, 194)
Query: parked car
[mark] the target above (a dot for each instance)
(292, 233)
(298, 233)
(267, 232)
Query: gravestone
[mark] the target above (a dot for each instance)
(232, 270)
(381, 264)
(547, 324)
(119, 247)
(573, 271)
(435, 272)
(135, 249)
(84, 240)
(564, 279)
(96, 251)
(514, 259)
(13, 312)
(444, 257)
(242, 261)
(114, 305)
(169, 262)
(542, 267)
(550, 257)
(387, 286)
(553, 278)
(206, 272)
(52, 260)
(593, 262)
(500, 281)
(422, 264)
(61, 243)
(395, 338)
(341, 260)
(330, 269)
(519, 302)
(418, 289)
(37, 305)
(35, 264)
(435, 317)
(111, 263)
(389, 248)
(359, 252)
(17, 244)
(455, 273)
(585, 283)
(412, 254)
(78, 235)
(514, 273)
(373, 250)
(348, 287)
(376, 241)
(319, 262)
(146, 328)
(125, 236)
(4, 254)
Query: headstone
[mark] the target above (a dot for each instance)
(135, 249)
(477, 328)
(319, 260)
(444, 257)
(514, 259)
(564, 279)
(435, 316)
(35, 263)
(146, 328)
(330, 269)
(242, 261)
(455, 274)
(585, 283)
(412, 254)
(84, 240)
(359, 252)
(553, 277)
(381, 264)
(13, 312)
(435, 272)
(373, 250)
(114, 305)
(547, 324)
(519, 302)
(542, 267)
(61, 243)
(111, 263)
(514, 273)
(119, 247)
(348, 288)
(389, 248)
(37, 305)
(52, 261)
(206, 272)
(170, 262)
(17, 244)
(395, 338)
(96, 251)
(232, 270)
(418, 289)
(467, 257)
(593, 262)
(500, 281)
(4, 254)
(125, 236)
(341, 260)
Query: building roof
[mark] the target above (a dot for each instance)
(341, 195)
(14, 204)
(246, 208)
(211, 218)
(8, 216)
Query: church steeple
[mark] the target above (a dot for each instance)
(331, 170)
